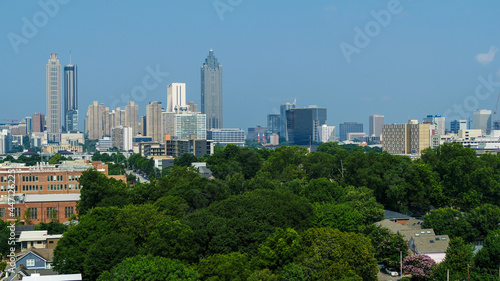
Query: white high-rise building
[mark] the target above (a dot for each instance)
(439, 123)
(191, 123)
(376, 124)
(176, 96)
(326, 133)
(5, 141)
(54, 99)
(482, 119)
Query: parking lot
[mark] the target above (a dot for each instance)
(386, 277)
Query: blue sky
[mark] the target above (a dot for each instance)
(428, 58)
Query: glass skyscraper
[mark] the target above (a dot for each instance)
(70, 98)
(303, 123)
(211, 91)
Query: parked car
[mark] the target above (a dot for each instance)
(391, 271)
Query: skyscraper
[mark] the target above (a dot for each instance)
(457, 125)
(482, 119)
(376, 124)
(283, 109)
(132, 117)
(38, 122)
(349, 127)
(438, 122)
(54, 99)
(154, 127)
(273, 124)
(211, 91)
(70, 98)
(303, 123)
(176, 96)
(95, 121)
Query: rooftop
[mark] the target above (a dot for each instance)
(58, 197)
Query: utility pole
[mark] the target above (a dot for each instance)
(401, 263)
(447, 275)
(468, 277)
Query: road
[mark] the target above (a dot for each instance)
(386, 277)
(141, 179)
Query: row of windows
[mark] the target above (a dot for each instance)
(51, 213)
(55, 178)
(5, 188)
(32, 187)
(30, 178)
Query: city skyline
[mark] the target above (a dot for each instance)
(291, 57)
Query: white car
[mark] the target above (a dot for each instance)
(391, 271)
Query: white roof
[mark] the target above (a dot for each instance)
(62, 277)
(58, 197)
(37, 235)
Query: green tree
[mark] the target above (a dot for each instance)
(489, 256)
(263, 275)
(150, 268)
(485, 218)
(450, 222)
(292, 272)
(173, 206)
(388, 246)
(55, 159)
(421, 267)
(172, 239)
(225, 267)
(341, 216)
(185, 160)
(4, 238)
(52, 227)
(323, 190)
(458, 256)
(285, 163)
(106, 252)
(279, 249)
(330, 253)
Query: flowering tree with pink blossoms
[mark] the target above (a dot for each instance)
(419, 266)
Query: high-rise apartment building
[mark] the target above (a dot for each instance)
(349, 127)
(176, 96)
(154, 127)
(457, 125)
(190, 124)
(143, 126)
(70, 98)
(132, 117)
(38, 121)
(227, 136)
(482, 120)
(376, 122)
(411, 138)
(303, 123)
(211, 91)
(95, 121)
(54, 99)
(283, 109)
(326, 133)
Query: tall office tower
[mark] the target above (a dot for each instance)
(326, 133)
(482, 119)
(153, 121)
(211, 91)
(54, 99)
(303, 123)
(409, 138)
(457, 125)
(132, 117)
(5, 141)
(283, 109)
(95, 121)
(376, 124)
(176, 96)
(349, 127)
(273, 124)
(29, 124)
(192, 106)
(168, 123)
(190, 124)
(38, 122)
(70, 98)
(142, 127)
(439, 123)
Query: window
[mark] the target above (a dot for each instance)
(30, 262)
(2, 212)
(34, 213)
(68, 212)
(15, 212)
(51, 212)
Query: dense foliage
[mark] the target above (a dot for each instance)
(283, 214)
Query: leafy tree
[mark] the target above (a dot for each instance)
(279, 249)
(150, 268)
(321, 165)
(172, 239)
(322, 190)
(489, 256)
(363, 200)
(285, 163)
(173, 206)
(106, 252)
(225, 267)
(335, 255)
(292, 272)
(52, 227)
(458, 256)
(4, 238)
(419, 266)
(342, 216)
(263, 275)
(185, 160)
(98, 190)
(451, 222)
(388, 246)
(55, 159)
(241, 223)
(485, 218)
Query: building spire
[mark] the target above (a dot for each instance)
(70, 57)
